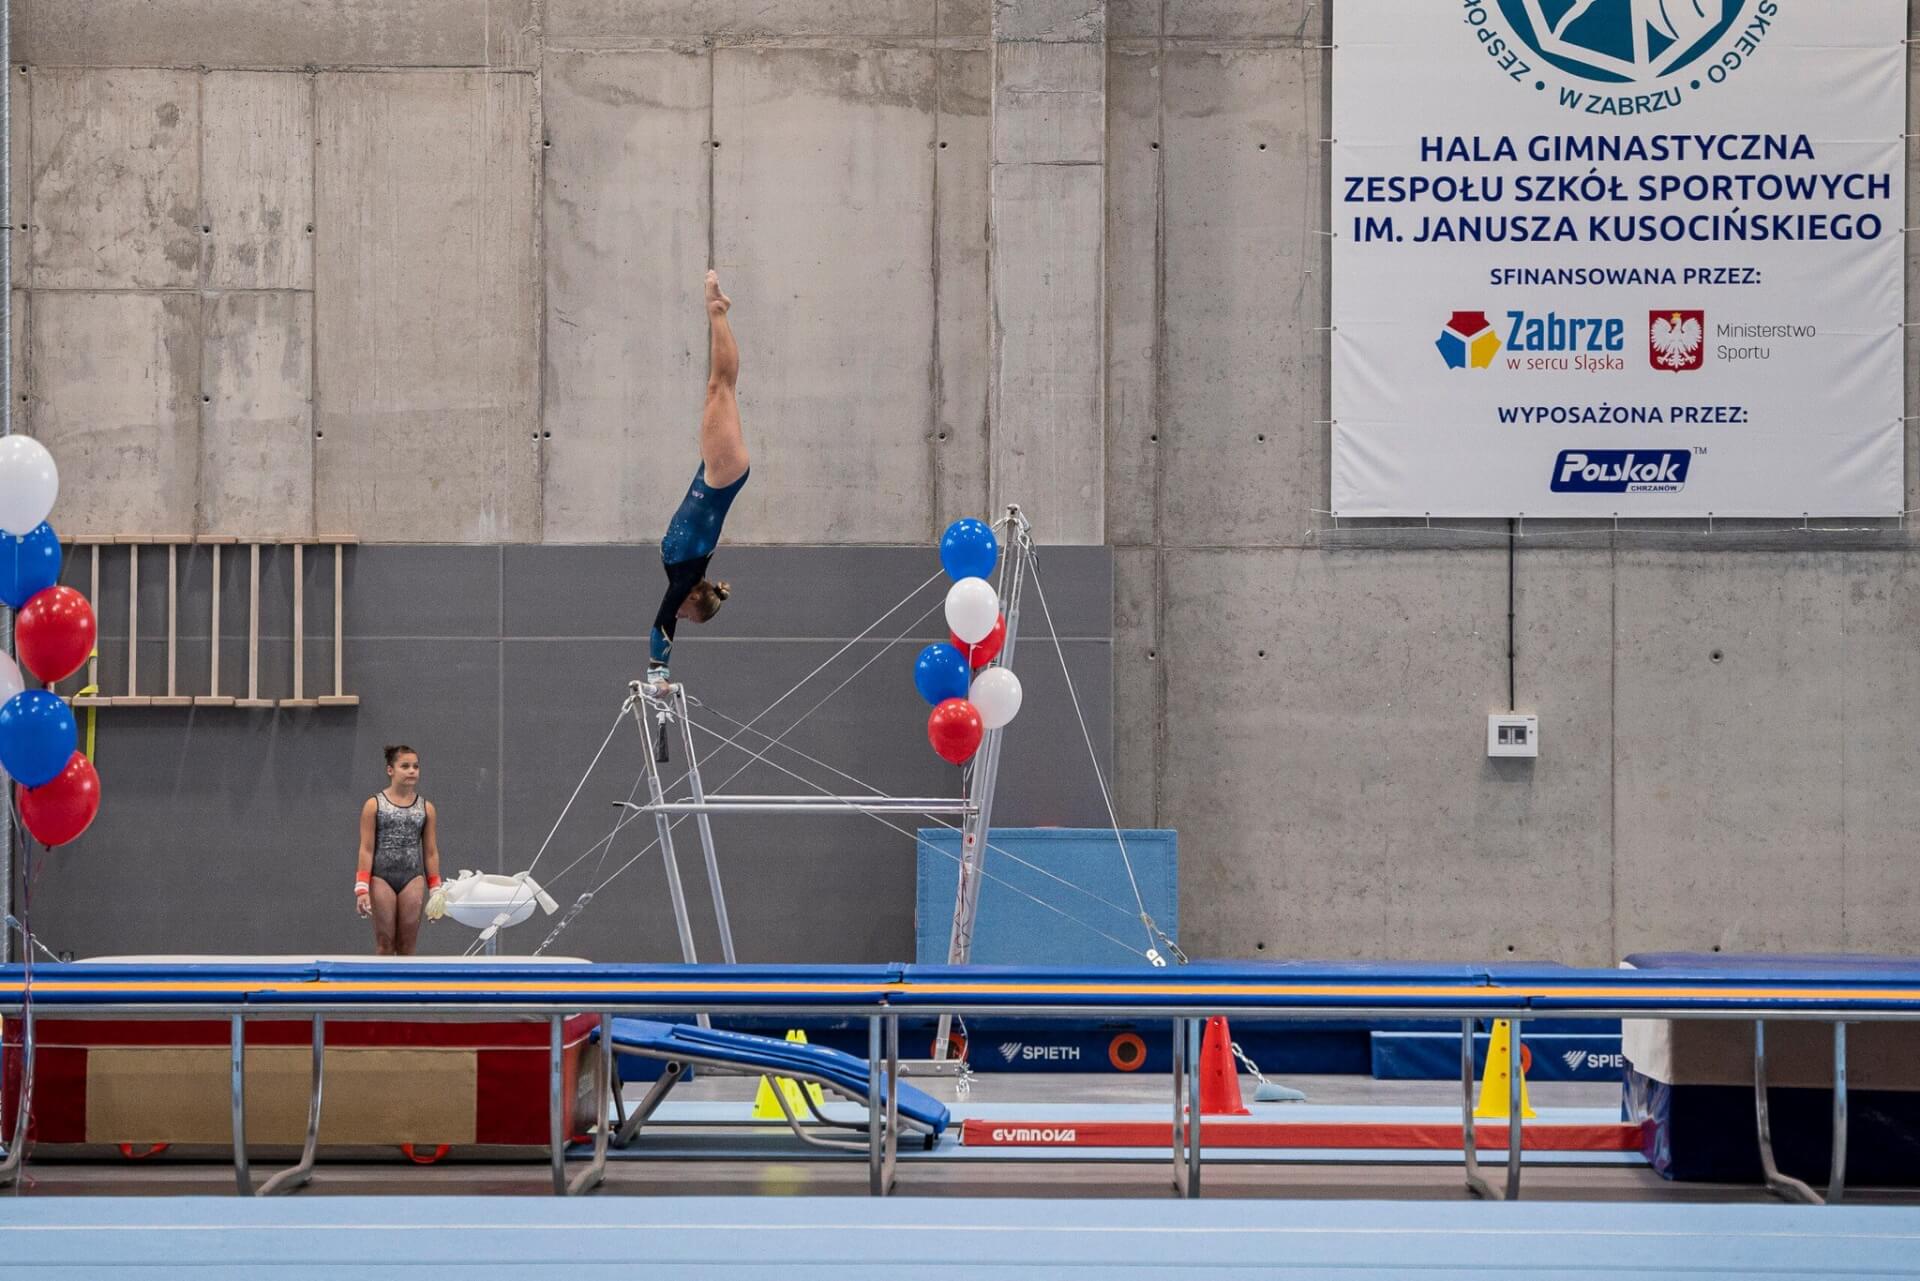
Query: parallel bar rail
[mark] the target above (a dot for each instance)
(883, 994)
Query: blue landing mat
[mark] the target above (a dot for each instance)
(854, 1239)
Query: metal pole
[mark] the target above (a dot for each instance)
(797, 805)
(975, 829)
(242, 1173)
(6, 400)
(657, 791)
(705, 825)
(1837, 1173)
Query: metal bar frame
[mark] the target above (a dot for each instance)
(801, 805)
(884, 1061)
(1476, 1186)
(977, 828)
(298, 1176)
(603, 1084)
(1786, 1186)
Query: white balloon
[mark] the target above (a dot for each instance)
(29, 482)
(972, 609)
(11, 682)
(996, 692)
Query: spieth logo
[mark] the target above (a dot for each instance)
(1619, 57)
(1577, 1059)
(1012, 1050)
(1676, 340)
(1620, 471)
(1469, 341)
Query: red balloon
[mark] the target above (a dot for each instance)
(57, 812)
(55, 633)
(987, 648)
(954, 729)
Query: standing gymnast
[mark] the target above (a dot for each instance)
(399, 862)
(695, 529)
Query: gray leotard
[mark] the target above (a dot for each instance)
(399, 845)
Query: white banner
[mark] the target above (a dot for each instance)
(1618, 257)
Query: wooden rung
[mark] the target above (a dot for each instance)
(297, 702)
(212, 700)
(168, 700)
(92, 540)
(338, 700)
(343, 540)
(129, 700)
(253, 702)
(299, 542)
(140, 539)
(222, 540)
(92, 700)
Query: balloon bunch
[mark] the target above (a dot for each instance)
(967, 701)
(57, 791)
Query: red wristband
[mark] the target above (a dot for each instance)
(433, 882)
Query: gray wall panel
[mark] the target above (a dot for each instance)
(228, 830)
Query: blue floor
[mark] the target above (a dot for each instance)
(226, 1239)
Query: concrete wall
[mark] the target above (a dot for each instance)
(429, 272)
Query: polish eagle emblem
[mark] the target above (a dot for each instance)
(1676, 339)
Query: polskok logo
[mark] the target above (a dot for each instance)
(1619, 57)
(1621, 471)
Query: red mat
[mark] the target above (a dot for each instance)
(1223, 1133)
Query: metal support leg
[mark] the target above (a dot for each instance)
(1179, 1107)
(242, 1173)
(876, 1180)
(1476, 1185)
(891, 1137)
(1196, 1125)
(293, 1179)
(1779, 1184)
(1514, 1081)
(556, 1104)
(16, 1157)
(704, 823)
(1837, 1173)
(596, 1171)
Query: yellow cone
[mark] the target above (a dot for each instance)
(767, 1108)
(1495, 1085)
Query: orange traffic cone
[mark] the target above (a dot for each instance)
(1219, 1079)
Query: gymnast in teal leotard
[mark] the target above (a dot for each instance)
(694, 531)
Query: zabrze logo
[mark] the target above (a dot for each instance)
(1621, 42)
(1676, 340)
(1010, 1050)
(1621, 471)
(1469, 341)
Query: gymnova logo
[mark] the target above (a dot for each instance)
(1619, 57)
(1022, 1134)
(1620, 471)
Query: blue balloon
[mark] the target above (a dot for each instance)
(939, 674)
(28, 566)
(37, 736)
(968, 549)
